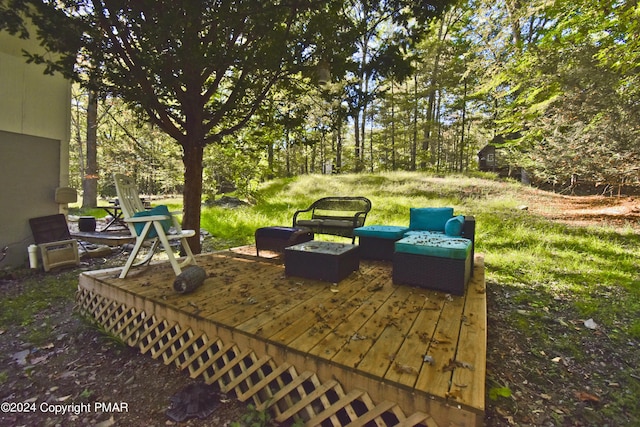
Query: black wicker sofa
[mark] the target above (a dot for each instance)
(337, 216)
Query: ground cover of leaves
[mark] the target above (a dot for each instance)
(74, 362)
(530, 382)
(569, 372)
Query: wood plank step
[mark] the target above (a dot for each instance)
(381, 356)
(414, 351)
(319, 304)
(435, 377)
(346, 331)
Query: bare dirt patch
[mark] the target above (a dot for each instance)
(616, 212)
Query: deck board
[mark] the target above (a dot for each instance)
(416, 345)
(395, 349)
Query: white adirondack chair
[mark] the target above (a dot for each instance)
(146, 225)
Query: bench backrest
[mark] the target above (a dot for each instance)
(340, 208)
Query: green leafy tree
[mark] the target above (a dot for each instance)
(576, 103)
(386, 33)
(198, 69)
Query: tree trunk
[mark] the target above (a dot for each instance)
(393, 128)
(338, 138)
(363, 124)
(287, 152)
(427, 143)
(270, 161)
(513, 8)
(90, 178)
(464, 121)
(356, 137)
(192, 194)
(438, 148)
(413, 142)
(414, 137)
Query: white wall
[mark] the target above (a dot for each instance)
(35, 111)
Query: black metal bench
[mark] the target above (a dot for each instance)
(337, 216)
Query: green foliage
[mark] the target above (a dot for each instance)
(253, 418)
(86, 394)
(562, 73)
(496, 392)
(563, 85)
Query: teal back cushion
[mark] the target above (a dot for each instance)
(430, 219)
(453, 227)
(158, 210)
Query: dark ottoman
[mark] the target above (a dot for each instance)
(433, 261)
(377, 241)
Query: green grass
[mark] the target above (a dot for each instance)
(22, 307)
(593, 268)
(552, 273)
(36, 293)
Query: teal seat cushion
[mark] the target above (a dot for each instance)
(430, 219)
(158, 210)
(434, 244)
(453, 227)
(423, 233)
(391, 232)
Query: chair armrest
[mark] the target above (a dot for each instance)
(358, 215)
(295, 215)
(147, 218)
(469, 228)
(176, 222)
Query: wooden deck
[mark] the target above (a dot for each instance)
(361, 352)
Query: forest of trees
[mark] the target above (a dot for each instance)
(413, 86)
(561, 75)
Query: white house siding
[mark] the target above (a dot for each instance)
(34, 144)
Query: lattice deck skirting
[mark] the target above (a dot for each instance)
(221, 339)
(288, 394)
